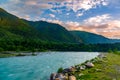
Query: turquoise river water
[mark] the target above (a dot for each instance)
(41, 66)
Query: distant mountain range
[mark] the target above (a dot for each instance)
(92, 38)
(12, 27)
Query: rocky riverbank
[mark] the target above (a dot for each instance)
(103, 67)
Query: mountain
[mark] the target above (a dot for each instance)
(12, 27)
(92, 38)
(53, 32)
(21, 35)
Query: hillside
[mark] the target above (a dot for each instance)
(92, 38)
(53, 32)
(12, 27)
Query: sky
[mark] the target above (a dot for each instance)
(96, 16)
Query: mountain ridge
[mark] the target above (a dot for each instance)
(34, 29)
(93, 38)
(12, 26)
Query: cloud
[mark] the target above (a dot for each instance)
(72, 23)
(76, 5)
(34, 8)
(97, 20)
(68, 14)
(52, 21)
(52, 15)
(103, 25)
(27, 17)
(21, 8)
(80, 14)
(56, 21)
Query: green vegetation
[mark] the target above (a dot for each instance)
(105, 69)
(2, 55)
(53, 32)
(14, 28)
(37, 45)
(60, 70)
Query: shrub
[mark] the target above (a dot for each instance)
(60, 70)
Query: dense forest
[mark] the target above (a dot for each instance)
(37, 45)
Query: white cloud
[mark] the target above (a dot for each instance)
(72, 23)
(52, 21)
(52, 15)
(76, 5)
(80, 14)
(27, 17)
(55, 21)
(36, 7)
(68, 14)
(97, 20)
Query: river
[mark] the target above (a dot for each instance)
(41, 66)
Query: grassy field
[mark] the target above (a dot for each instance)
(105, 69)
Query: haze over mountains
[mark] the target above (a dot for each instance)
(12, 27)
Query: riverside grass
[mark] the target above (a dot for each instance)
(6, 55)
(106, 69)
